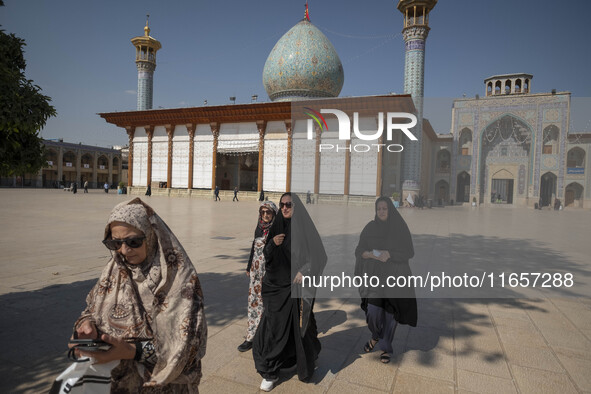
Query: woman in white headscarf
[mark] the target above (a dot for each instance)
(148, 305)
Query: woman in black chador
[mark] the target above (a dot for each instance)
(385, 246)
(287, 333)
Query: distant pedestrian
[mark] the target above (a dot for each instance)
(235, 194)
(217, 193)
(85, 186)
(149, 191)
(106, 186)
(308, 198)
(262, 196)
(75, 188)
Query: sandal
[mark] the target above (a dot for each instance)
(385, 357)
(369, 345)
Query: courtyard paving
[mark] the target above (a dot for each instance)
(535, 340)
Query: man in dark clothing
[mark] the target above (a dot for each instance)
(217, 193)
(235, 194)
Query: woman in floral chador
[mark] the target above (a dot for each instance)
(256, 270)
(148, 305)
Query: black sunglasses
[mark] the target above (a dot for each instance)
(115, 244)
(285, 204)
(266, 212)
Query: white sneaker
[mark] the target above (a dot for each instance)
(267, 385)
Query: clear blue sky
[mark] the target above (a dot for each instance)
(80, 53)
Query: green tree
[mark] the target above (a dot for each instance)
(23, 112)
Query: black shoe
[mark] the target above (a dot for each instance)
(246, 345)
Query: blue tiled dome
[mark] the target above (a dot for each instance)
(303, 64)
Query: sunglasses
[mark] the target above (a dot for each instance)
(115, 244)
(266, 212)
(286, 204)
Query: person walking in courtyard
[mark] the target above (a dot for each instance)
(235, 194)
(217, 193)
(287, 333)
(85, 186)
(148, 305)
(385, 246)
(255, 270)
(106, 187)
(149, 191)
(75, 187)
(308, 198)
(262, 196)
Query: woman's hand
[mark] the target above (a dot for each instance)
(120, 350)
(298, 278)
(384, 256)
(278, 239)
(248, 273)
(86, 330)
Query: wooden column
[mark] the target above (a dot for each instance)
(347, 167)
(317, 161)
(191, 130)
(215, 131)
(379, 169)
(262, 127)
(130, 132)
(289, 149)
(150, 133)
(170, 133)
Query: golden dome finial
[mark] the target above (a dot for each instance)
(147, 29)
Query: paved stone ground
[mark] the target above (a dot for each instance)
(51, 256)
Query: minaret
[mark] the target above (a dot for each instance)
(415, 31)
(145, 59)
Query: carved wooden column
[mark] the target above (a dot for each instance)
(379, 169)
(150, 133)
(215, 131)
(317, 163)
(262, 127)
(347, 167)
(130, 132)
(289, 151)
(170, 133)
(191, 130)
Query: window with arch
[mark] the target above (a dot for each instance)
(550, 140)
(103, 163)
(443, 160)
(115, 162)
(465, 142)
(86, 161)
(518, 86)
(526, 86)
(498, 87)
(489, 89)
(575, 158)
(508, 86)
(51, 157)
(69, 159)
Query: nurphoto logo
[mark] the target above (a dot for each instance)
(344, 129)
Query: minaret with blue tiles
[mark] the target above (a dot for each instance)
(145, 59)
(415, 31)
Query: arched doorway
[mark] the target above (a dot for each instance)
(547, 188)
(506, 140)
(463, 188)
(502, 187)
(573, 195)
(441, 192)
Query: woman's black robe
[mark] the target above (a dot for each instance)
(394, 236)
(287, 333)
